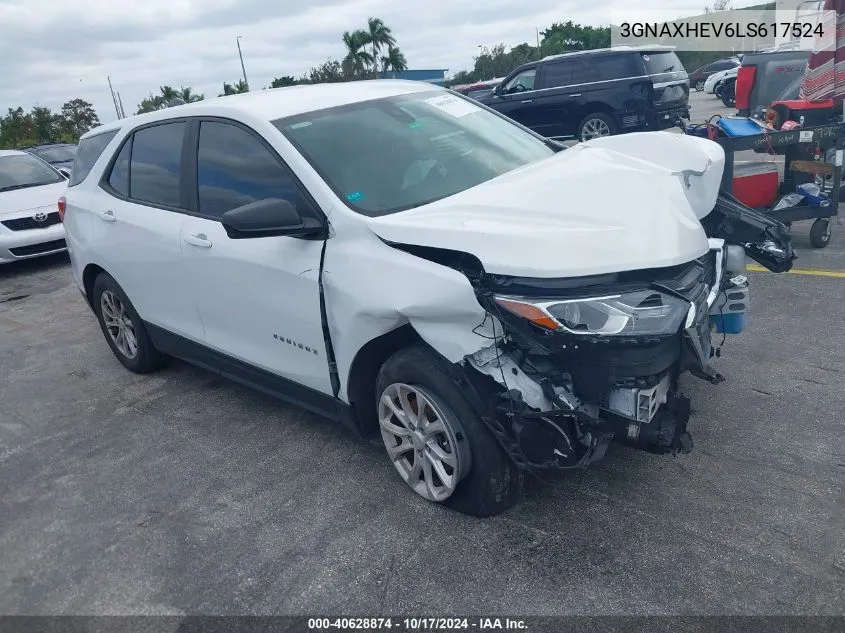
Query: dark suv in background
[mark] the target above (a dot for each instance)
(596, 93)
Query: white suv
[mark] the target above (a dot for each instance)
(397, 257)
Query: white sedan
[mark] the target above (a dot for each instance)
(717, 79)
(30, 225)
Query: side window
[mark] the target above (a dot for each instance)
(558, 74)
(87, 154)
(119, 177)
(522, 82)
(234, 168)
(612, 67)
(154, 172)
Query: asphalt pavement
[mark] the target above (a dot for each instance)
(182, 493)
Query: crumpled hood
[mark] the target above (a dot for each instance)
(592, 209)
(31, 198)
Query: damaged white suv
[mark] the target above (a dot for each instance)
(402, 259)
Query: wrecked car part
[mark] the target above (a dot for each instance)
(667, 433)
(640, 404)
(765, 240)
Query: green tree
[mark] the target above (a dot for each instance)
(379, 36)
(282, 82)
(330, 71)
(77, 117)
(151, 103)
(45, 125)
(394, 60)
(357, 58)
(229, 89)
(16, 129)
(188, 95)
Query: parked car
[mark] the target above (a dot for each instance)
(700, 75)
(714, 82)
(29, 222)
(399, 258)
(479, 89)
(595, 93)
(59, 155)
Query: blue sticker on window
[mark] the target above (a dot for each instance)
(415, 125)
(355, 196)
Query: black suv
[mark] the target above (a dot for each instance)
(596, 93)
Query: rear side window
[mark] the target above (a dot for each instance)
(662, 62)
(87, 154)
(559, 74)
(235, 168)
(154, 172)
(612, 67)
(119, 178)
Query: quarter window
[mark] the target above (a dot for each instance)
(235, 168)
(119, 178)
(154, 174)
(87, 154)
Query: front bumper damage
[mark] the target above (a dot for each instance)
(557, 401)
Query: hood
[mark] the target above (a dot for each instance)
(588, 210)
(31, 198)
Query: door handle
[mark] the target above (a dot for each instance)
(528, 101)
(200, 239)
(107, 216)
(577, 94)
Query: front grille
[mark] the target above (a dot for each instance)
(35, 249)
(26, 224)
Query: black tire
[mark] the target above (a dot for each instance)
(147, 358)
(608, 121)
(728, 95)
(717, 90)
(820, 233)
(700, 85)
(493, 483)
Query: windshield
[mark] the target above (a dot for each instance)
(59, 154)
(22, 170)
(656, 63)
(396, 153)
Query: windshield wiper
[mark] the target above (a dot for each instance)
(11, 187)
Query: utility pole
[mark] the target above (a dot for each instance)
(243, 69)
(537, 28)
(120, 103)
(113, 98)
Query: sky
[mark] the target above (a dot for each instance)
(55, 50)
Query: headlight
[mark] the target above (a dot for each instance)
(642, 312)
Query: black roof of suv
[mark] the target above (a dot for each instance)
(596, 92)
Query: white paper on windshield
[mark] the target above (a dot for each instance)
(453, 105)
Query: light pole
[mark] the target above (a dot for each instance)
(238, 40)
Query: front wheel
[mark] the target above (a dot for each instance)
(437, 442)
(596, 125)
(728, 95)
(700, 85)
(820, 233)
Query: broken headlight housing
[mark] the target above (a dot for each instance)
(640, 312)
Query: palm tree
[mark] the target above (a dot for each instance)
(357, 59)
(238, 88)
(394, 60)
(188, 95)
(168, 93)
(378, 34)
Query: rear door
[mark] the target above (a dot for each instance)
(258, 298)
(559, 102)
(135, 225)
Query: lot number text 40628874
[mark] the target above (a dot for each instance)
(416, 624)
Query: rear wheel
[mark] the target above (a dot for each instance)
(699, 86)
(820, 233)
(596, 125)
(438, 444)
(124, 331)
(728, 94)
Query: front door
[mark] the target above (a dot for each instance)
(516, 99)
(258, 298)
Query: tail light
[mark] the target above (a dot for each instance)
(62, 207)
(744, 83)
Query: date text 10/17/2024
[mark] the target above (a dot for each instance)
(416, 624)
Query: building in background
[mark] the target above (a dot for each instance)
(433, 76)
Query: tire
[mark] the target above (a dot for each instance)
(110, 300)
(820, 233)
(598, 121)
(728, 95)
(484, 480)
(717, 90)
(700, 85)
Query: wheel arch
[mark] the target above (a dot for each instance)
(89, 276)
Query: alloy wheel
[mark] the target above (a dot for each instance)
(119, 324)
(422, 441)
(594, 128)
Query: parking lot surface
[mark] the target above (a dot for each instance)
(182, 493)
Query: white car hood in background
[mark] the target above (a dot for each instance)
(31, 198)
(609, 205)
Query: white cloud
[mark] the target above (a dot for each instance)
(54, 50)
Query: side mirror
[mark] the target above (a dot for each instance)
(64, 171)
(269, 218)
